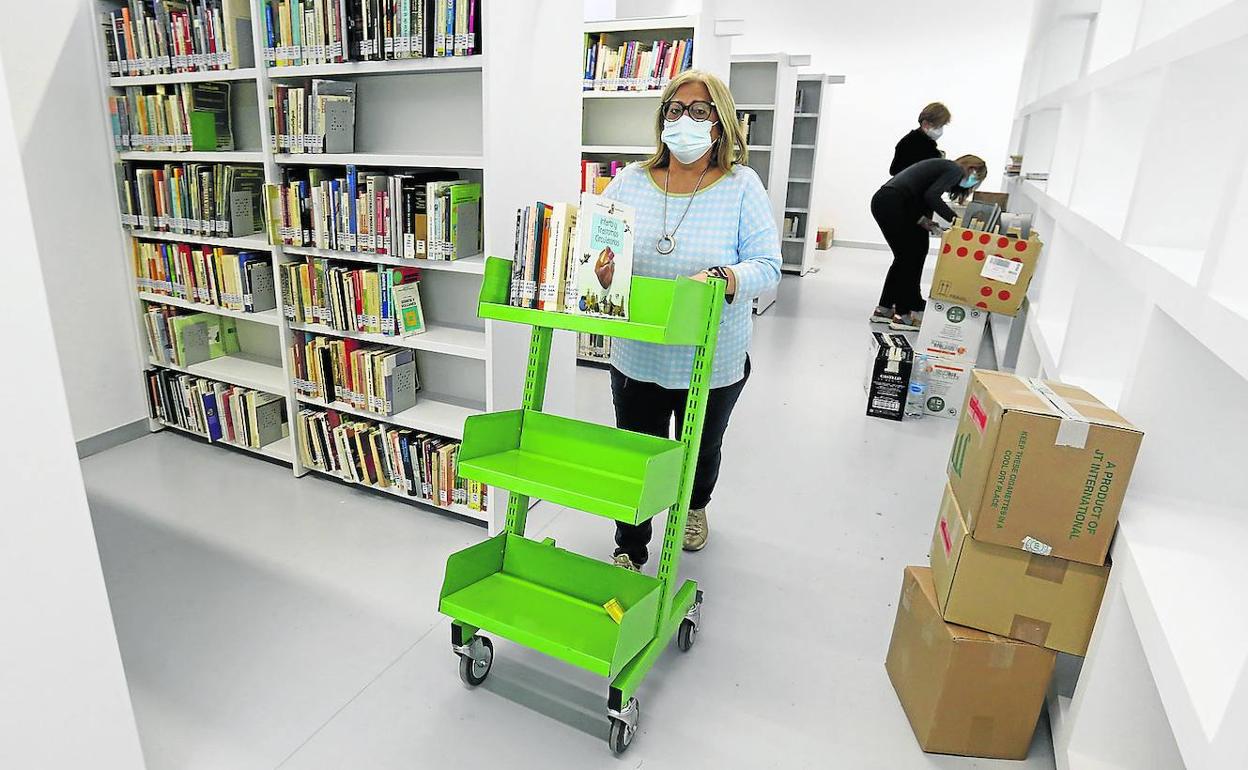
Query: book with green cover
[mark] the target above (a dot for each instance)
(408, 312)
(465, 220)
(209, 115)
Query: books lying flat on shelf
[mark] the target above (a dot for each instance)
(419, 465)
(176, 118)
(335, 31)
(217, 276)
(634, 65)
(216, 410)
(184, 338)
(319, 291)
(595, 175)
(602, 267)
(371, 378)
(146, 37)
(191, 198)
(317, 118)
(414, 215)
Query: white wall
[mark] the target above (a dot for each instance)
(63, 696)
(48, 51)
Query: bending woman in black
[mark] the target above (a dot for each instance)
(916, 194)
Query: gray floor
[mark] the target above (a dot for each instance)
(270, 622)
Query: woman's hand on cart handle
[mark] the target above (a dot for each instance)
(720, 272)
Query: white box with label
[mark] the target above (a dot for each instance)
(951, 331)
(947, 380)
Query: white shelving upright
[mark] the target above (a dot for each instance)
(798, 251)
(1130, 108)
(765, 84)
(480, 103)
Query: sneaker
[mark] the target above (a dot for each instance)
(910, 322)
(625, 561)
(882, 315)
(696, 530)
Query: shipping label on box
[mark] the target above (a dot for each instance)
(1041, 466)
(889, 362)
(946, 385)
(952, 331)
(1036, 599)
(985, 270)
(964, 691)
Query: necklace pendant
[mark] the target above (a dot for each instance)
(666, 244)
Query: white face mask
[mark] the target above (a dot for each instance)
(934, 133)
(687, 139)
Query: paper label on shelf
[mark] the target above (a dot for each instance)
(390, 46)
(409, 245)
(421, 247)
(370, 322)
(289, 310)
(1035, 546)
(270, 55)
(335, 50)
(114, 67)
(1001, 269)
(376, 404)
(387, 326)
(348, 240)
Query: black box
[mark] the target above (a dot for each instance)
(888, 375)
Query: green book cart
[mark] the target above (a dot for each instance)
(545, 597)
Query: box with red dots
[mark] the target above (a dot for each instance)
(985, 270)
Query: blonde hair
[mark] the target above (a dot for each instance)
(730, 148)
(935, 113)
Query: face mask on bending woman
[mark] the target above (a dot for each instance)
(934, 133)
(687, 139)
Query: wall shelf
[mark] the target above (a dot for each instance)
(244, 73)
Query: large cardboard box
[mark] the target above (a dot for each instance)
(951, 331)
(985, 270)
(946, 385)
(889, 361)
(1041, 466)
(1036, 599)
(964, 691)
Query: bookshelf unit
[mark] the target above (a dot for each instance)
(761, 85)
(619, 125)
(466, 365)
(811, 100)
(1139, 299)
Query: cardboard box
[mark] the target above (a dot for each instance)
(946, 385)
(1036, 599)
(889, 361)
(985, 270)
(823, 238)
(964, 691)
(951, 331)
(1041, 466)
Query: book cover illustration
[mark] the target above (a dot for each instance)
(604, 257)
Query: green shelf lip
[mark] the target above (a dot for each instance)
(665, 312)
(621, 475)
(550, 599)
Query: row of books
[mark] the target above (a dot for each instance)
(145, 37)
(574, 260)
(420, 465)
(183, 117)
(379, 300)
(184, 338)
(216, 410)
(634, 65)
(372, 378)
(417, 215)
(792, 226)
(596, 175)
(212, 275)
(333, 31)
(317, 118)
(746, 120)
(191, 198)
(593, 347)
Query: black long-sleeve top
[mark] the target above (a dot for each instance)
(923, 183)
(913, 147)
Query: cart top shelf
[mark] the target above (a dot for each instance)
(660, 311)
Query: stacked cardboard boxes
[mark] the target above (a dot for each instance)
(985, 270)
(1020, 551)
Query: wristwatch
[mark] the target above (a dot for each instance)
(722, 274)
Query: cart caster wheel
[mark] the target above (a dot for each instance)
(474, 666)
(686, 635)
(624, 727)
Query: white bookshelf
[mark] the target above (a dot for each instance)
(466, 365)
(619, 125)
(798, 251)
(763, 84)
(1139, 298)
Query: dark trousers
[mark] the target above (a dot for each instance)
(645, 407)
(898, 220)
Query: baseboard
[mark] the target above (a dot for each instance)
(111, 438)
(861, 245)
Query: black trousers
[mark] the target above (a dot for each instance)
(898, 220)
(649, 408)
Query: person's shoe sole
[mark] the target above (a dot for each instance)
(899, 327)
(875, 319)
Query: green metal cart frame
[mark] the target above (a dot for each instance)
(550, 599)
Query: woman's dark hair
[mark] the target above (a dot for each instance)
(969, 163)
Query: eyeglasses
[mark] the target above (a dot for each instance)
(699, 111)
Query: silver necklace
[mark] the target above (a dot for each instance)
(667, 241)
